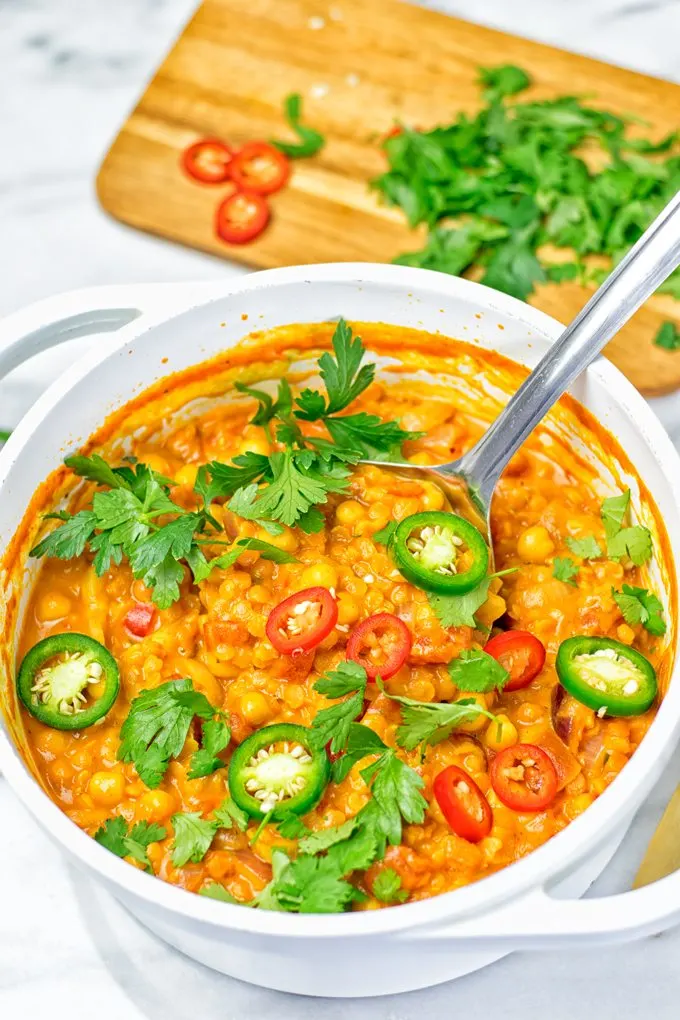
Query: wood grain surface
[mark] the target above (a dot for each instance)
(359, 65)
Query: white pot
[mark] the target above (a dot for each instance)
(405, 947)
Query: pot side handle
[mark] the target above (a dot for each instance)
(92, 310)
(538, 920)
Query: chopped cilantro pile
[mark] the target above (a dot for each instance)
(494, 188)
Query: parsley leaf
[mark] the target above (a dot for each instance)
(69, 540)
(157, 726)
(115, 837)
(387, 887)
(425, 722)
(292, 492)
(333, 724)
(215, 738)
(311, 141)
(316, 842)
(668, 337)
(192, 839)
(369, 436)
(587, 548)
(344, 376)
(613, 512)
(242, 503)
(396, 796)
(503, 81)
(477, 672)
(641, 606)
(565, 570)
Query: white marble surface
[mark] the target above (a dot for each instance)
(69, 72)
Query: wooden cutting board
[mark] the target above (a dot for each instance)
(359, 65)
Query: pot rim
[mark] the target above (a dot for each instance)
(587, 831)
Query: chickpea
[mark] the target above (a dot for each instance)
(52, 606)
(286, 540)
(323, 574)
(625, 634)
(480, 721)
(349, 513)
(500, 734)
(106, 788)
(535, 544)
(255, 441)
(156, 805)
(255, 708)
(432, 498)
(187, 475)
(155, 462)
(348, 608)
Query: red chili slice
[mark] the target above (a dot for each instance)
(302, 620)
(524, 777)
(381, 644)
(208, 161)
(463, 804)
(241, 217)
(140, 619)
(520, 653)
(259, 167)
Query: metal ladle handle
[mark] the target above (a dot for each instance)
(649, 262)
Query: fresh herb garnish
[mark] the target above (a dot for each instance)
(215, 737)
(229, 814)
(215, 891)
(157, 725)
(387, 887)
(384, 535)
(114, 835)
(668, 337)
(641, 606)
(565, 570)
(587, 548)
(333, 724)
(477, 672)
(193, 836)
(633, 543)
(311, 141)
(495, 188)
(459, 610)
(427, 723)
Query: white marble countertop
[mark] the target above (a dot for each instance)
(69, 72)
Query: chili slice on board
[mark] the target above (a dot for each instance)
(302, 620)
(463, 804)
(277, 770)
(208, 161)
(68, 681)
(524, 778)
(240, 217)
(381, 644)
(520, 653)
(259, 167)
(140, 620)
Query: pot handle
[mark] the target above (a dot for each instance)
(79, 313)
(538, 920)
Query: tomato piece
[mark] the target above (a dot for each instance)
(140, 619)
(302, 620)
(259, 167)
(240, 217)
(381, 644)
(208, 161)
(520, 653)
(524, 777)
(463, 804)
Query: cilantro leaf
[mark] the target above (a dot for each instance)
(384, 535)
(242, 503)
(290, 827)
(311, 141)
(229, 814)
(387, 887)
(292, 492)
(316, 842)
(215, 737)
(361, 741)
(95, 469)
(631, 543)
(369, 436)
(396, 796)
(478, 672)
(333, 724)
(114, 836)
(668, 337)
(69, 540)
(613, 512)
(157, 726)
(344, 376)
(307, 885)
(215, 891)
(268, 407)
(425, 722)
(503, 81)
(225, 479)
(459, 610)
(638, 605)
(565, 570)
(587, 548)
(192, 839)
